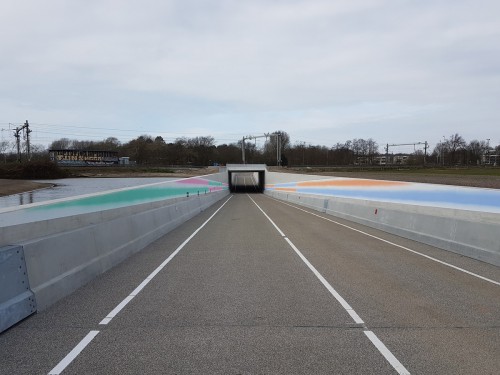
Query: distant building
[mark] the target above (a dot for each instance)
(362, 160)
(125, 160)
(490, 159)
(380, 160)
(400, 159)
(84, 157)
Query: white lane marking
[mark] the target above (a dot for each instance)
(387, 353)
(254, 182)
(393, 244)
(73, 354)
(268, 218)
(141, 286)
(117, 309)
(374, 339)
(327, 285)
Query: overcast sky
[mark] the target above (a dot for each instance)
(397, 71)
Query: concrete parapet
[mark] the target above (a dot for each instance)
(61, 253)
(470, 233)
(61, 262)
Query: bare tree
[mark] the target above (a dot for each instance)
(228, 153)
(111, 144)
(61, 144)
(202, 150)
(454, 144)
(372, 149)
(476, 149)
(4, 146)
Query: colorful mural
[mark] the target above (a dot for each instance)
(445, 196)
(188, 187)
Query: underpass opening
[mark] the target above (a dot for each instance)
(246, 178)
(246, 182)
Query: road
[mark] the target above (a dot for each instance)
(256, 286)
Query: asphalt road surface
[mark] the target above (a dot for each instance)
(256, 286)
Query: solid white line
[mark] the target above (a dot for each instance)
(73, 354)
(268, 218)
(141, 286)
(327, 285)
(394, 244)
(387, 353)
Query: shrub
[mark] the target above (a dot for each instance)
(32, 170)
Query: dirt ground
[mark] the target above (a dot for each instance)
(9, 187)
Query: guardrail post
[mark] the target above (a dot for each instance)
(17, 301)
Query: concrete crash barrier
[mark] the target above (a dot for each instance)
(17, 301)
(470, 233)
(66, 244)
(461, 219)
(60, 263)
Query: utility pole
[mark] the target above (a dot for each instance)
(442, 150)
(26, 133)
(18, 143)
(426, 145)
(266, 135)
(488, 151)
(243, 150)
(278, 149)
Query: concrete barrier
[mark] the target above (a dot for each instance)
(60, 263)
(63, 253)
(469, 233)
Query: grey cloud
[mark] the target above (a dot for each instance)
(311, 64)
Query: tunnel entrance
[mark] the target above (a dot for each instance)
(246, 178)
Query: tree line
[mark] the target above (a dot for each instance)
(203, 151)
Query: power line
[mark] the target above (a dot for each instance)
(140, 131)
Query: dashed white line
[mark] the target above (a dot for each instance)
(117, 309)
(373, 338)
(90, 336)
(387, 353)
(73, 354)
(393, 244)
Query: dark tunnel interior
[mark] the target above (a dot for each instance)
(246, 181)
